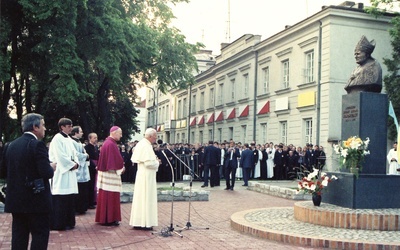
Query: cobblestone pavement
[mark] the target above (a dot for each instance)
(282, 219)
(213, 214)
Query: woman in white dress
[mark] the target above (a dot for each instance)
(270, 161)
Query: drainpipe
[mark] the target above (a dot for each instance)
(319, 85)
(255, 96)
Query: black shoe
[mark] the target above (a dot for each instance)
(227, 188)
(231, 188)
(204, 186)
(245, 185)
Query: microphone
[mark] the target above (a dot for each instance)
(160, 142)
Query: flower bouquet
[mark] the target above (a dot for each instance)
(352, 153)
(314, 182)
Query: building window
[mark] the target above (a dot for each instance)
(210, 135)
(184, 108)
(308, 130)
(221, 94)
(246, 85)
(230, 134)
(309, 70)
(212, 101)
(184, 138)
(285, 74)
(192, 137)
(220, 134)
(283, 128)
(149, 118)
(179, 109)
(202, 101)
(263, 132)
(201, 140)
(244, 133)
(178, 138)
(232, 90)
(265, 80)
(193, 104)
(167, 113)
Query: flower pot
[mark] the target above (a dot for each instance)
(316, 199)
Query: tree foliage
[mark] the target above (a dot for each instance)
(392, 79)
(84, 59)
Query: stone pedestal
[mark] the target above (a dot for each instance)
(364, 114)
(368, 191)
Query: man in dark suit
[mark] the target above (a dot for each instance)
(279, 162)
(247, 162)
(231, 162)
(212, 158)
(28, 170)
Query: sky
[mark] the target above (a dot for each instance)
(206, 21)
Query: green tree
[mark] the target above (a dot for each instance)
(392, 79)
(83, 59)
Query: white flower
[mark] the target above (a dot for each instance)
(366, 152)
(313, 187)
(366, 142)
(344, 153)
(337, 148)
(325, 182)
(334, 177)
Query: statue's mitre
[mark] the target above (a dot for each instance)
(365, 45)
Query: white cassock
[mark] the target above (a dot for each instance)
(393, 165)
(270, 162)
(62, 151)
(144, 211)
(257, 168)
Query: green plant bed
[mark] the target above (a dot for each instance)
(170, 188)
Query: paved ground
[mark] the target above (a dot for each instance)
(214, 214)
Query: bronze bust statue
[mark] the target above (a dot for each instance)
(367, 77)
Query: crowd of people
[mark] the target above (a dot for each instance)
(231, 161)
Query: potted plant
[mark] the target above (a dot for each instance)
(352, 153)
(314, 183)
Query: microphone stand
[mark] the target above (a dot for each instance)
(170, 229)
(188, 224)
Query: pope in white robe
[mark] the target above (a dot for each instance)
(144, 213)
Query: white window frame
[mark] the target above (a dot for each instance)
(232, 90)
(221, 94)
(246, 85)
(244, 133)
(193, 104)
(285, 74)
(202, 101)
(264, 130)
(309, 69)
(212, 98)
(308, 130)
(265, 80)
(283, 131)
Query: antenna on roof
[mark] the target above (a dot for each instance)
(228, 29)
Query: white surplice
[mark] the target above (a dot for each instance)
(393, 165)
(144, 212)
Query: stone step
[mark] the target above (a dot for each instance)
(279, 224)
(340, 217)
